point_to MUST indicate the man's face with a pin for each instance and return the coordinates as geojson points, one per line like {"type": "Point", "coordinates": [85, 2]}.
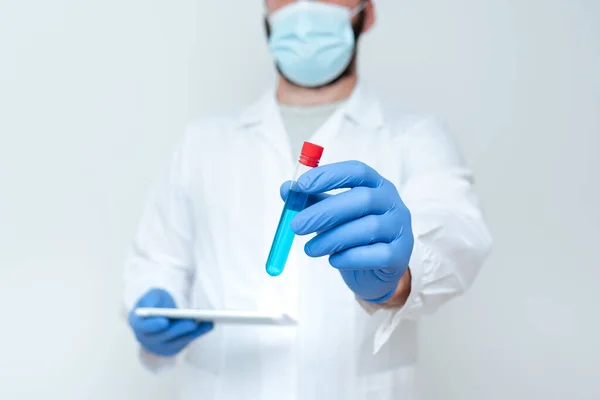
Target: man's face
{"type": "Point", "coordinates": [361, 23]}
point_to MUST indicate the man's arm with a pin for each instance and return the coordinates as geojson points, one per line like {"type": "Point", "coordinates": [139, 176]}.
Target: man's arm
{"type": "Point", "coordinates": [407, 249]}
{"type": "Point", "coordinates": [451, 236]}
{"type": "Point", "coordinates": [160, 256]}
{"type": "Point", "coordinates": [161, 253]}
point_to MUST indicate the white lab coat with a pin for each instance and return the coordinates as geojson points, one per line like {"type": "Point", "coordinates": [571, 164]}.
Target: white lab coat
{"type": "Point", "coordinates": [207, 230]}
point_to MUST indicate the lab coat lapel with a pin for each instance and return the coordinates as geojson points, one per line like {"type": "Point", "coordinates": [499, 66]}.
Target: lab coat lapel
{"type": "Point", "coordinates": [265, 117]}
{"type": "Point", "coordinates": [361, 114]}
{"type": "Point", "coordinates": [363, 108]}
{"type": "Point", "coordinates": [362, 111]}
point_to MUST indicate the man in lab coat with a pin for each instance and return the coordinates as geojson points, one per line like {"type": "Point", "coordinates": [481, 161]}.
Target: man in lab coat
{"type": "Point", "coordinates": [402, 235]}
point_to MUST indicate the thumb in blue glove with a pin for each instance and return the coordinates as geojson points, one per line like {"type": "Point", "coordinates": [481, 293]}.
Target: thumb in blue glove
{"type": "Point", "coordinates": [162, 336]}
{"type": "Point", "coordinates": [366, 231]}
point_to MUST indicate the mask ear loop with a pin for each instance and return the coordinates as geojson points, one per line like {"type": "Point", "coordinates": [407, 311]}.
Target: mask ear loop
{"type": "Point", "coordinates": [359, 8]}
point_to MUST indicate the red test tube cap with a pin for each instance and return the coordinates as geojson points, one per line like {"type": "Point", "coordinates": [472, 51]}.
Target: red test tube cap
{"type": "Point", "coordinates": [311, 154]}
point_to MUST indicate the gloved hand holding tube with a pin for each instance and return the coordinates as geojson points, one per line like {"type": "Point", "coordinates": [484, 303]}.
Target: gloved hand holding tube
{"type": "Point", "coordinates": [162, 336]}
{"type": "Point", "coordinates": [365, 231]}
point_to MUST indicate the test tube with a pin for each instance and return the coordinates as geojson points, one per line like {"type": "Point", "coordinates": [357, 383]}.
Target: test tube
{"type": "Point", "coordinates": [296, 201]}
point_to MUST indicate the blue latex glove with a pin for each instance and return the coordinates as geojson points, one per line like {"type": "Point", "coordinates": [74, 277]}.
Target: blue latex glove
{"type": "Point", "coordinates": [366, 231]}
{"type": "Point", "coordinates": [160, 335]}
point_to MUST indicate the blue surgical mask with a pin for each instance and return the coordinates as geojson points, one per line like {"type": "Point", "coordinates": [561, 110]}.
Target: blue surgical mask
{"type": "Point", "coordinates": [312, 42]}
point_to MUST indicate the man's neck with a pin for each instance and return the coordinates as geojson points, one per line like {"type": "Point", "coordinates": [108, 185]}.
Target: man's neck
{"type": "Point", "coordinates": [293, 95]}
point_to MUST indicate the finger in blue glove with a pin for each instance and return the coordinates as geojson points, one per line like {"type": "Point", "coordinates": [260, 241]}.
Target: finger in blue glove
{"type": "Point", "coordinates": [160, 335]}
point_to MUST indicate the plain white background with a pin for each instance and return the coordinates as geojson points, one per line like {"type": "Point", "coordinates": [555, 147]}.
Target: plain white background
{"type": "Point", "coordinates": [94, 93]}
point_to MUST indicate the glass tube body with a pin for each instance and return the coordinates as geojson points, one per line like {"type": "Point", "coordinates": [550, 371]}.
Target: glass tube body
{"type": "Point", "coordinates": [284, 236]}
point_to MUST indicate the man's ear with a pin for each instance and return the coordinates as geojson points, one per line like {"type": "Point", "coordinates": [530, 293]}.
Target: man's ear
{"type": "Point", "coordinates": [369, 16]}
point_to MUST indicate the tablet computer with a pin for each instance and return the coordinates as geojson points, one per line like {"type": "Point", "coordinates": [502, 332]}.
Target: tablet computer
{"type": "Point", "coordinates": [219, 316]}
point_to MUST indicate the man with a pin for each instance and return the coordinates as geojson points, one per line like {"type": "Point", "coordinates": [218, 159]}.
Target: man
{"type": "Point", "coordinates": [402, 236]}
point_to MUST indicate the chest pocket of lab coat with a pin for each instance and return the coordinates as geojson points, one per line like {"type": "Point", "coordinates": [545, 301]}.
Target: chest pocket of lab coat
{"type": "Point", "coordinates": [376, 147]}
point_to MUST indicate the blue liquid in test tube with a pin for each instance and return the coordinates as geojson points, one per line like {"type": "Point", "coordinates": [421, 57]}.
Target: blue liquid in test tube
{"type": "Point", "coordinates": [284, 237]}
{"type": "Point", "coordinates": [295, 202]}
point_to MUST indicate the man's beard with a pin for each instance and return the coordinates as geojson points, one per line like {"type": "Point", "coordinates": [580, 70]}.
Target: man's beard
{"type": "Point", "coordinates": [357, 27]}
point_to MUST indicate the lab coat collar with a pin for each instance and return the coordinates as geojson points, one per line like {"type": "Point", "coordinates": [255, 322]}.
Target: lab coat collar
{"type": "Point", "coordinates": [362, 108]}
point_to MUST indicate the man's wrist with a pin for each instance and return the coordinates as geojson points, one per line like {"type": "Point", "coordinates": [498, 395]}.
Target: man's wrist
{"type": "Point", "coordinates": [401, 293]}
